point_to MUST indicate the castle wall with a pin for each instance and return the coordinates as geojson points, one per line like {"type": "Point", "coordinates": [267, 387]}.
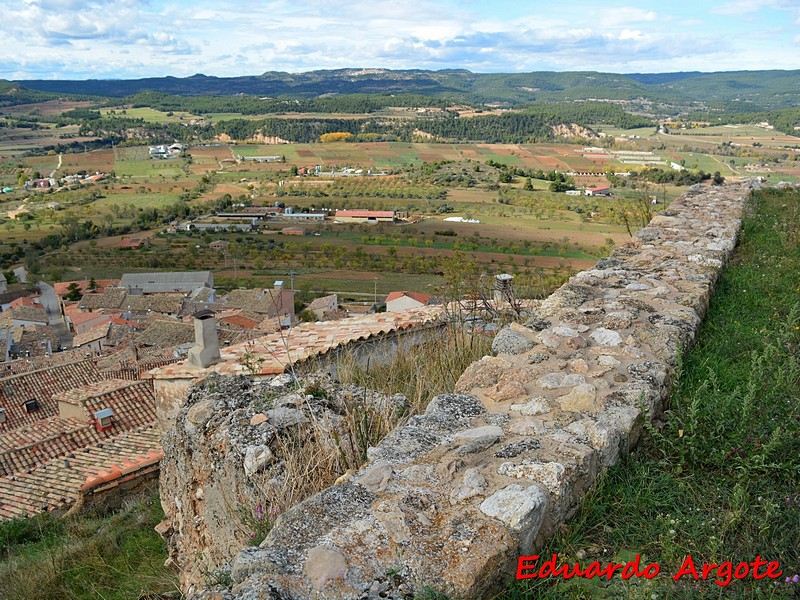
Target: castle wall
{"type": "Point", "coordinates": [454, 497]}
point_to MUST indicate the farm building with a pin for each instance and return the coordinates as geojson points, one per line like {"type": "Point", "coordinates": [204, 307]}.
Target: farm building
{"type": "Point", "coordinates": [252, 212]}
{"type": "Point", "coordinates": [601, 190]}
{"type": "Point", "coordinates": [130, 244]}
{"type": "Point", "coordinates": [290, 215]}
{"type": "Point", "coordinates": [219, 245]}
{"type": "Point", "coordinates": [194, 226]}
{"type": "Point", "coordinates": [293, 231]}
{"type": "Point", "coordinates": [365, 216]}
{"type": "Point", "coordinates": [262, 159]}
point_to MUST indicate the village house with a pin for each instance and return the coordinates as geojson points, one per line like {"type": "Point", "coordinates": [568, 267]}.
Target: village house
{"type": "Point", "coordinates": [86, 439]}
{"type": "Point", "coordinates": [323, 306]}
{"type": "Point", "coordinates": [23, 316]}
{"type": "Point", "coordinates": [28, 397]}
{"type": "Point", "coordinates": [93, 340]}
{"type": "Point", "coordinates": [81, 322]}
{"type": "Point", "coordinates": [275, 302]}
{"type": "Point", "coordinates": [400, 301]}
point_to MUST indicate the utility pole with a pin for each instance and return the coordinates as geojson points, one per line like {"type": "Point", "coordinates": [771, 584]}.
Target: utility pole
{"type": "Point", "coordinates": [291, 280]}
{"type": "Point", "coordinates": [375, 289]}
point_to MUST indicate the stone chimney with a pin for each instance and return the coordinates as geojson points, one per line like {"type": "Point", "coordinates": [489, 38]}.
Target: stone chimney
{"type": "Point", "coordinates": [205, 351]}
{"type": "Point", "coordinates": [502, 287]}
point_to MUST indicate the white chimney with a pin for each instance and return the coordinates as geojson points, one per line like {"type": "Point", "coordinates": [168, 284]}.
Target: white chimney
{"type": "Point", "coordinates": [502, 287]}
{"type": "Point", "coordinates": [205, 352]}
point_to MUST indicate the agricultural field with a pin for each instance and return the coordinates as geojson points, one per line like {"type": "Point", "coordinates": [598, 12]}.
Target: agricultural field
{"type": "Point", "coordinates": [391, 155]}
{"type": "Point", "coordinates": [15, 142]}
{"type": "Point", "coordinates": [522, 225]}
{"type": "Point", "coordinates": [149, 115]}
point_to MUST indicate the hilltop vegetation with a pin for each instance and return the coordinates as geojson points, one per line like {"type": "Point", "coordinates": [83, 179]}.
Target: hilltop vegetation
{"type": "Point", "coordinates": [737, 91]}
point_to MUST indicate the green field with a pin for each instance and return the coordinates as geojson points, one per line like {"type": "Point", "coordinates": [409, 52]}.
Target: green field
{"type": "Point", "coordinates": [518, 229]}
{"type": "Point", "coordinates": [149, 114]}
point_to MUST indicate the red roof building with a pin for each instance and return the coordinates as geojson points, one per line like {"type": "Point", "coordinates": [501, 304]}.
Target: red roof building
{"type": "Point", "coordinates": [399, 301]}
{"type": "Point", "coordinates": [365, 215]}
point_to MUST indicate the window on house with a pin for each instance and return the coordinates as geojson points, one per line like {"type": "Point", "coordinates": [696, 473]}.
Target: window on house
{"type": "Point", "coordinates": [31, 405]}
{"type": "Point", "coordinates": [8, 391]}
{"type": "Point", "coordinates": [104, 419]}
{"type": "Point", "coordinates": [2, 415]}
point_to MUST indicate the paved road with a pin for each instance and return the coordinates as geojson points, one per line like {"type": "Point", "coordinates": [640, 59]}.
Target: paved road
{"type": "Point", "coordinates": [52, 307]}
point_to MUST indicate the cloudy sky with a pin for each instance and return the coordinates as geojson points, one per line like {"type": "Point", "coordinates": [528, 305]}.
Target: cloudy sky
{"type": "Point", "coordinates": [102, 39]}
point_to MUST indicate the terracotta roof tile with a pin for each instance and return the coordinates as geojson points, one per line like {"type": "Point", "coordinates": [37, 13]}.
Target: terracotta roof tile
{"type": "Point", "coordinates": [40, 385]}
{"type": "Point", "coordinates": [35, 363]}
{"type": "Point", "coordinates": [133, 402]}
{"type": "Point", "coordinates": [28, 313]}
{"type": "Point", "coordinates": [168, 304]}
{"type": "Point", "coordinates": [54, 485]}
{"type": "Point", "coordinates": [418, 296]}
{"type": "Point", "coordinates": [274, 352]}
{"type": "Point", "coordinates": [98, 332]}
{"type": "Point", "coordinates": [323, 302]}
{"type": "Point", "coordinates": [31, 445]}
{"type": "Point", "coordinates": [110, 298]}
{"type": "Point", "coordinates": [62, 287]}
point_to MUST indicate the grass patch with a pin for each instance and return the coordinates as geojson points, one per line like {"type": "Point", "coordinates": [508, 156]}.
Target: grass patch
{"type": "Point", "coordinates": [721, 479]}
{"type": "Point", "coordinates": [89, 556]}
{"type": "Point", "coordinates": [423, 372]}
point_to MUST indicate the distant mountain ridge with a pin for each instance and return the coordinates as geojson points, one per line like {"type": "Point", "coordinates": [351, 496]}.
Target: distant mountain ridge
{"type": "Point", "coordinates": [734, 90]}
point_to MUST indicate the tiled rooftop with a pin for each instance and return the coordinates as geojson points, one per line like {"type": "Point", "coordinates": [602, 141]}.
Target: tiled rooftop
{"type": "Point", "coordinates": [192, 306]}
{"type": "Point", "coordinates": [31, 445]}
{"type": "Point", "coordinates": [324, 302]}
{"type": "Point", "coordinates": [240, 318]}
{"type": "Point", "coordinates": [40, 385]}
{"type": "Point", "coordinates": [110, 298]}
{"type": "Point", "coordinates": [26, 365]}
{"type": "Point", "coordinates": [169, 304]}
{"type": "Point", "coordinates": [26, 313]}
{"type": "Point", "coordinates": [133, 402]}
{"type": "Point", "coordinates": [79, 317]}
{"type": "Point", "coordinates": [166, 334]}
{"type": "Point", "coordinates": [62, 287]}
{"type": "Point", "coordinates": [265, 301]}
{"type": "Point", "coordinates": [36, 340]}
{"type": "Point", "coordinates": [56, 485]}
{"type": "Point", "coordinates": [418, 296]}
{"type": "Point", "coordinates": [98, 332]}
{"type": "Point", "coordinates": [274, 352]}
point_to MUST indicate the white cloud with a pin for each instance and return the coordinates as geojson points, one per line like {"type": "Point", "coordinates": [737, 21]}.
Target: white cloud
{"type": "Point", "coordinates": [745, 7]}
{"type": "Point", "coordinates": [232, 37]}
{"type": "Point", "coordinates": [615, 17]}
{"type": "Point", "coordinates": [629, 34]}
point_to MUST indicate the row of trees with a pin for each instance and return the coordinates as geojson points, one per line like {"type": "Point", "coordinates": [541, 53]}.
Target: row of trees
{"type": "Point", "coordinates": [530, 125]}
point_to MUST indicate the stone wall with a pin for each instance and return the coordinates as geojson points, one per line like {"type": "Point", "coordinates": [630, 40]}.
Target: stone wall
{"type": "Point", "coordinates": [451, 499]}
